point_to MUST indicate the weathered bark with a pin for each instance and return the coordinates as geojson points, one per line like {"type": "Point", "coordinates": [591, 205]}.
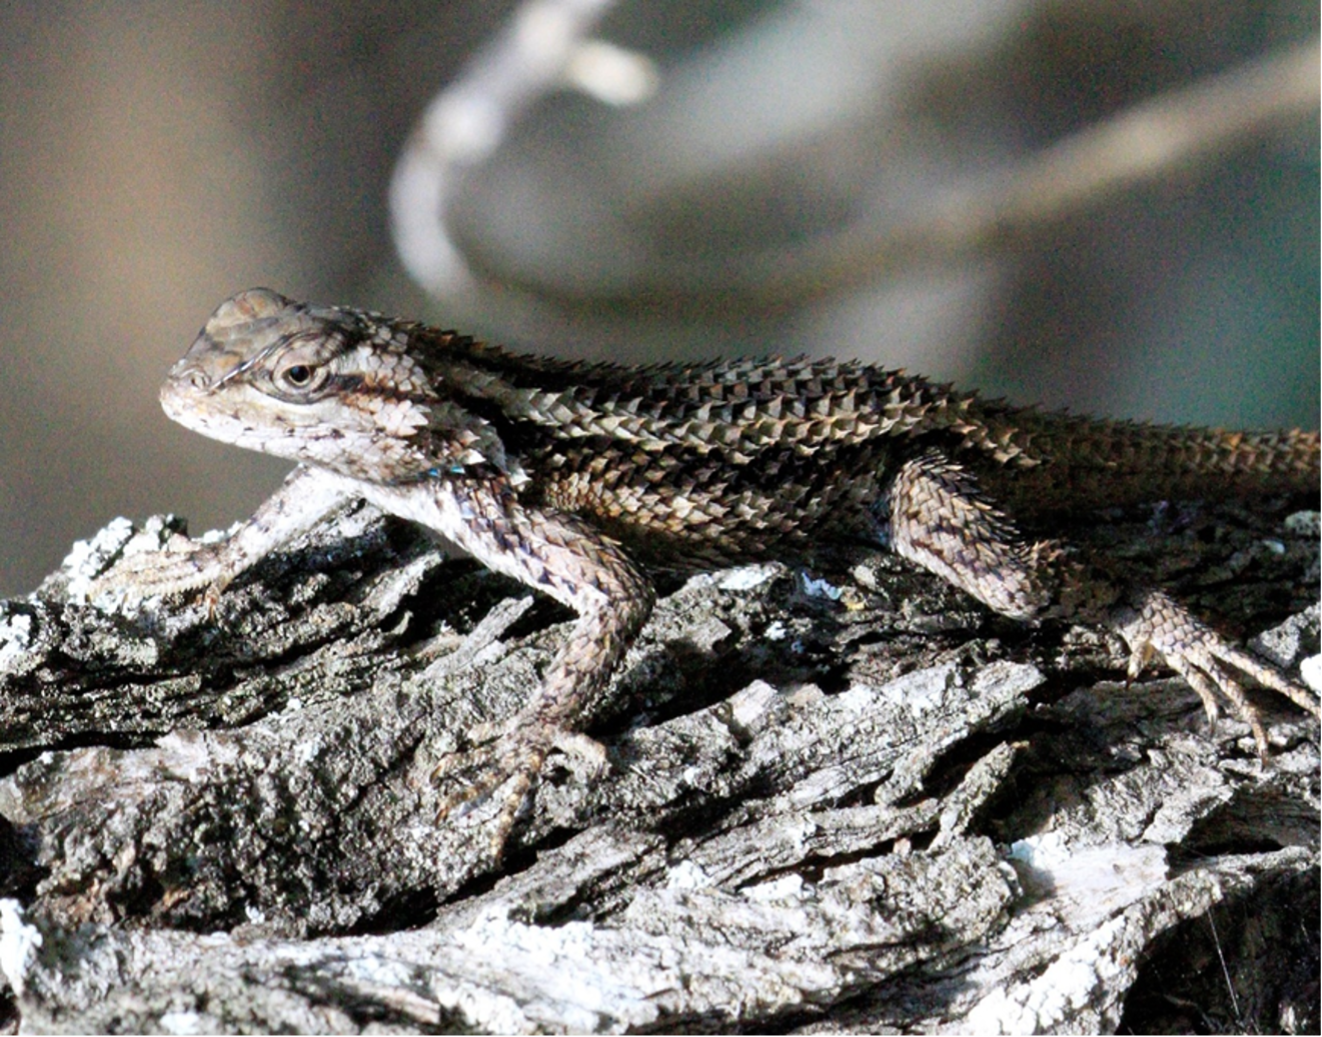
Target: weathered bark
{"type": "Point", "coordinates": [898, 814]}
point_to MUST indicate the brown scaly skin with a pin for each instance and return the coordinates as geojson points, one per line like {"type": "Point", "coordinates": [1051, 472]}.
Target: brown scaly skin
{"type": "Point", "coordinates": [578, 478]}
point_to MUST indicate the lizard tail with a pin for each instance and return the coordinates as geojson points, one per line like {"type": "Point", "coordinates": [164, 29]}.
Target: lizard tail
{"type": "Point", "coordinates": [1066, 461]}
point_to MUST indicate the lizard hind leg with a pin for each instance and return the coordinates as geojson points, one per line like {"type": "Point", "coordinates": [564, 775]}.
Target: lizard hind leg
{"type": "Point", "coordinates": [936, 516]}
{"type": "Point", "coordinates": [1156, 624]}
{"type": "Point", "coordinates": [939, 518]}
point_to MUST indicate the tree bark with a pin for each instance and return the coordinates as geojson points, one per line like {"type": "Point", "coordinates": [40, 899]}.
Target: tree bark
{"type": "Point", "coordinates": [858, 801]}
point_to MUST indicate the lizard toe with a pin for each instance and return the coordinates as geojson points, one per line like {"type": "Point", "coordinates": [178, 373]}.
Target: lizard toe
{"type": "Point", "coordinates": [509, 767]}
{"type": "Point", "coordinates": [1158, 625]}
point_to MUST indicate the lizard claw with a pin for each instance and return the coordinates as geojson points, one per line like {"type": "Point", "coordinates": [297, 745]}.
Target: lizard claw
{"type": "Point", "coordinates": [1158, 625]}
{"type": "Point", "coordinates": [510, 762]}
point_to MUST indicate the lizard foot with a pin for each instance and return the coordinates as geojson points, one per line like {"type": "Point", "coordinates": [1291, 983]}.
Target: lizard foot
{"type": "Point", "coordinates": [1158, 625]}
{"type": "Point", "coordinates": [179, 567]}
{"type": "Point", "coordinates": [508, 759]}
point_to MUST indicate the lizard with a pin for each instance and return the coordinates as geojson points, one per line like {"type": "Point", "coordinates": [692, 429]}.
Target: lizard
{"type": "Point", "coordinates": [582, 480]}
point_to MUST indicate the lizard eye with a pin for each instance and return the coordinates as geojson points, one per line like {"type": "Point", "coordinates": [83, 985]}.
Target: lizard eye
{"type": "Point", "coordinates": [300, 378]}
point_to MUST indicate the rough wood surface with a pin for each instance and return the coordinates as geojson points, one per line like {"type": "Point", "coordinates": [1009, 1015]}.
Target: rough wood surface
{"type": "Point", "coordinates": [892, 811]}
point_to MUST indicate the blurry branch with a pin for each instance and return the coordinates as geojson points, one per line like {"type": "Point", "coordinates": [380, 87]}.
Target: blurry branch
{"type": "Point", "coordinates": [1151, 141]}
{"type": "Point", "coordinates": [544, 46]}
{"type": "Point", "coordinates": [1146, 143]}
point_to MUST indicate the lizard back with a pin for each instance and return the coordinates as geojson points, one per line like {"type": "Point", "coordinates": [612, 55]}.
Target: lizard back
{"type": "Point", "coordinates": [721, 461]}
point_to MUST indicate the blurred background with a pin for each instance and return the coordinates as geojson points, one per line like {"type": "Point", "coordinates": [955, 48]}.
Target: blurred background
{"type": "Point", "coordinates": [1110, 206]}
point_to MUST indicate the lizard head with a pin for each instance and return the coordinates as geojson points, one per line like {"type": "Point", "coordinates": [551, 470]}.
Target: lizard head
{"type": "Point", "coordinates": [336, 388]}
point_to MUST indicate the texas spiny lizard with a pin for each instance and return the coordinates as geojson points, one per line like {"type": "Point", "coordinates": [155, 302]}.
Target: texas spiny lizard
{"type": "Point", "coordinates": [581, 479]}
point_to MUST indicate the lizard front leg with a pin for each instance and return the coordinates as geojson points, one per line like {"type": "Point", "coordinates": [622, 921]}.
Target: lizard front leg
{"type": "Point", "coordinates": [305, 498]}
{"type": "Point", "coordinates": [934, 514]}
{"type": "Point", "coordinates": [570, 561]}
